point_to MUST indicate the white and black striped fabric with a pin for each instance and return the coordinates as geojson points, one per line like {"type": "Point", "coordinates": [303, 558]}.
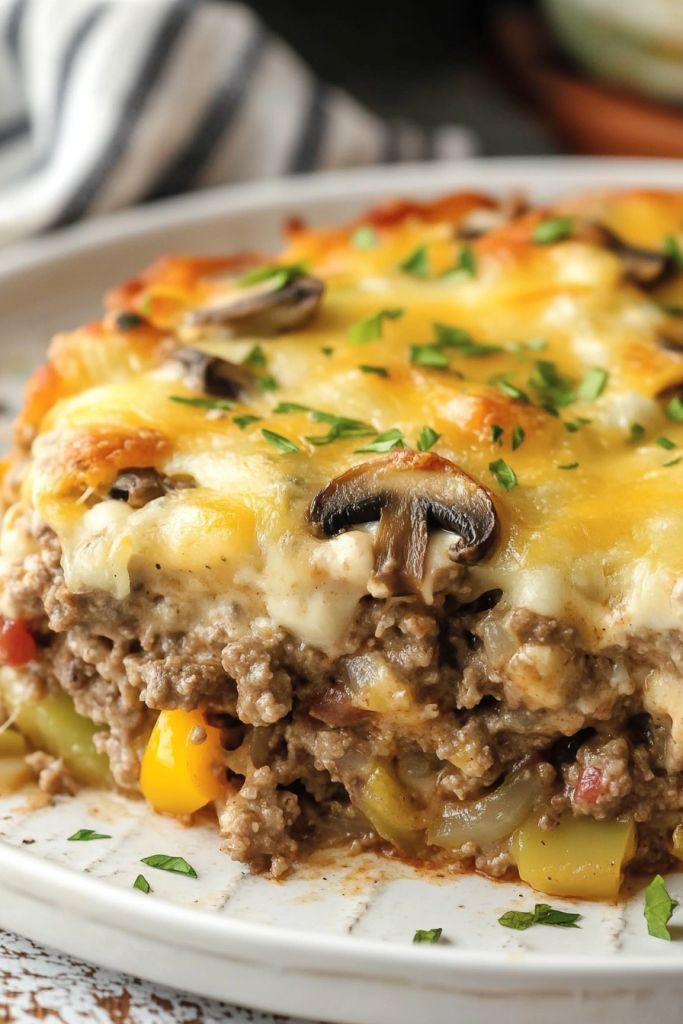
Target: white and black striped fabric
{"type": "Point", "coordinates": [107, 103]}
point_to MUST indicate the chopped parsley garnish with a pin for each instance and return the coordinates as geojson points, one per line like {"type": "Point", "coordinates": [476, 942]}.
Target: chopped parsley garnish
{"type": "Point", "coordinates": [504, 474]}
{"type": "Point", "coordinates": [496, 432]}
{"type": "Point", "coordinates": [385, 442]}
{"type": "Point", "coordinates": [428, 355]}
{"type": "Point", "coordinates": [592, 384]}
{"type": "Point", "coordinates": [427, 439]}
{"type": "Point", "coordinates": [465, 266]}
{"type": "Point", "coordinates": [326, 350]}
{"type": "Point", "coordinates": [552, 387]}
{"type": "Point", "coordinates": [203, 403]}
{"type": "Point", "coordinates": [85, 835]}
{"type": "Point", "coordinates": [255, 358]}
{"type": "Point", "coordinates": [267, 383]}
{"type": "Point", "coordinates": [370, 329]}
{"type": "Point", "coordinates": [142, 884]}
{"type": "Point", "coordinates": [673, 462]}
{"type": "Point", "coordinates": [245, 420]}
{"type": "Point", "coordinates": [518, 436]}
{"type": "Point", "coordinates": [283, 444]}
{"type": "Point", "coordinates": [511, 390]}
{"type": "Point", "coordinates": [674, 409]}
{"type": "Point", "coordinates": [672, 249]}
{"type": "Point", "coordinates": [573, 425]}
{"type": "Point", "coordinates": [673, 310]}
{"type": "Point", "coordinates": [164, 862]}
{"type": "Point", "coordinates": [427, 935]}
{"type": "Point", "coordinates": [379, 371]}
{"type": "Point", "coordinates": [635, 433]}
{"type": "Point", "coordinates": [569, 465]}
{"type": "Point", "coordinates": [542, 913]}
{"type": "Point", "coordinates": [128, 321]}
{"type": "Point", "coordinates": [416, 263]}
{"type": "Point", "coordinates": [340, 426]}
{"type": "Point", "coordinates": [456, 337]}
{"type": "Point", "coordinates": [364, 237]}
{"type": "Point", "coordinates": [278, 274]}
{"type": "Point", "coordinates": [659, 906]}
{"type": "Point", "coordinates": [556, 229]}
{"type": "Point", "coordinates": [665, 442]}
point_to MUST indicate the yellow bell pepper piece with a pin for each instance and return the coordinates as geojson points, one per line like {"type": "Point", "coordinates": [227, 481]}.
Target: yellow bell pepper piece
{"type": "Point", "coordinates": [390, 810]}
{"type": "Point", "coordinates": [582, 857]}
{"type": "Point", "coordinates": [178, 776]}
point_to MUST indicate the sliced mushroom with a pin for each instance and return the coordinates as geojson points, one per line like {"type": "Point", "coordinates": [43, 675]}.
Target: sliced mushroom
{"type": "Point", "coordinates": [212, 375]}
{"type": "Point", "coordinates": [644, 267]}
{"type": "Point", "coordinates": [137, 487]}
{"type": "Point", "coordinates": [409, 493]}
{"type": "Point", "coordinates": [670, 335]}
{"type": "Point", "coordinates": [269, 307]}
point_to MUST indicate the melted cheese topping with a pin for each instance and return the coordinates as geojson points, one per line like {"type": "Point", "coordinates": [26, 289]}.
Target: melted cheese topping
{"type": "Point", "coordinates": [593, 530]}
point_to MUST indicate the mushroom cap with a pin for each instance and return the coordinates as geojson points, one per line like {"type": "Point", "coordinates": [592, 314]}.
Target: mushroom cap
{"type": "Point", "coordinates": [268, 307]}
{"type": "Point", "coordinates": [211, 375]}
{"type": "Point", "coordinates": [409, 493]}
{"type": "Point", "coordinates": [645, 267]}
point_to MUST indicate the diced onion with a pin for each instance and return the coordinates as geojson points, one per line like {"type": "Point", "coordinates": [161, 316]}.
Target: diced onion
{"type": "Point", "coordinates": [490, 818]}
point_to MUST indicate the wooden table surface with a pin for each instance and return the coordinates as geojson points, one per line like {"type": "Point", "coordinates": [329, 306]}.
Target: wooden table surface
{"type": "Point", "coordinates": [38, 984]}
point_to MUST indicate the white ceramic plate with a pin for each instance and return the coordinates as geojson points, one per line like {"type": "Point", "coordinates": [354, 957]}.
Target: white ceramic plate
{"type": "Point", "coordinates": [334, 942]}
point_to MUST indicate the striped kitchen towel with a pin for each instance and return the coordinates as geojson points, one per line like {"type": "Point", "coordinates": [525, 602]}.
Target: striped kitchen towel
{"type": "Point", "coordinates": [106, 103]}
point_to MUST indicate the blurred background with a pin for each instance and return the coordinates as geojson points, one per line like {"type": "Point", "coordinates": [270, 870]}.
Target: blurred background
{"type": "Point", "coordinates": [534, 77]}
{"type": "Point", "coordinates": [105, 104]}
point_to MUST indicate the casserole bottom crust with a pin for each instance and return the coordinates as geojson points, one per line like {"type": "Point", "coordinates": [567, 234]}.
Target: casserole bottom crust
{"type": "Point", "coordinates": [311, 761]}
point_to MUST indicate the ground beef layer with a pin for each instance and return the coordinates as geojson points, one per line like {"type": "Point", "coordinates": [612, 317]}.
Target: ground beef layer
{"type": "Point", "coordinates": [300, 742]}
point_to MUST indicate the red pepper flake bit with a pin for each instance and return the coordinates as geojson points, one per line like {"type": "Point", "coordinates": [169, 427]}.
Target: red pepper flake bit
{"type": "Point", "coordinates": [17, 646]}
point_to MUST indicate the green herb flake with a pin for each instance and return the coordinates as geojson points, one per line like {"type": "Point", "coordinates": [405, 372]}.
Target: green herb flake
{"type": "Point", "coordinates": [504, 474]}
{"type": "Point", "coordinates": [672, 250]}
{"type": "Point", "coordinates": [85, 835]}
{"type": "Point", "coordinates": [326, 350]}
{"type": "Point", "coordinates": [278, 274]}
{"type": "Point", "coordinates": [552, 387]}
{"type": "Point", "coordinates": [573, 425]}
{"type": "Point", "coordinates": [592, 384]}
{"type": "Point", "coordinates": [255, 358]}
{"type": "Point", "coordinates": [636, 432]}
{"type": "Point", "coordinates": [246, 420]}
{"type": "Point", "coordinates": [673, 310]}
{"type": "Point", "coordinates": [658, 908]}
{"type": "Point", "coordinates": [164, 862]}
{"type": "Point", "coordinates": [267, 383]}
{"type": "Point", "coordinates": [283, 444]}
{"type": "Point", "coordinates": [496, 432]}
{"type": "Point", "coordinates": [385, 442]}
{"type": "Point", "coordinates": [203, 403]}
{"type": "Point", "coordinates": [416, 263]}
{"type": "Point", "coordinates": [465, 266]}
{"type": "Point", "coordinates": [142, 884]}
{"type": "Point", "coordinates": [128, 321]}
{"type": "Point", "coordinates": [673, 462]}
{"type": "Point", "coordinates": [428, 355]}
{"type": "Point", "coordinates": [511, 390]}
{"type": "Point", "coordinates": [556, 229]}
{"type": "Point", "coordinates": [448, 336]}
{"type": "Point", "coordinates": [542, 913]}
{"type": "Point", "coordinates": [518, 436]}
{"type": "Point", "coordinates": [364, 237]}
{"type": "Point", "coordinates": [674, 409]}
{"type": "Point", "coordinates": [379, 371]}
{"type": "Point", "coordinates": [427, 439]}
{"type": "Point", "coordinates": [370, 329]}
{"type": "Point", "coordinates": [427, 935]}
{"type": "Point", "coordinates": [569, 465]}
{"type": "Point", "coordinates": [666, 443]}
{"type": "Point", "coordinates": [285, 407]}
